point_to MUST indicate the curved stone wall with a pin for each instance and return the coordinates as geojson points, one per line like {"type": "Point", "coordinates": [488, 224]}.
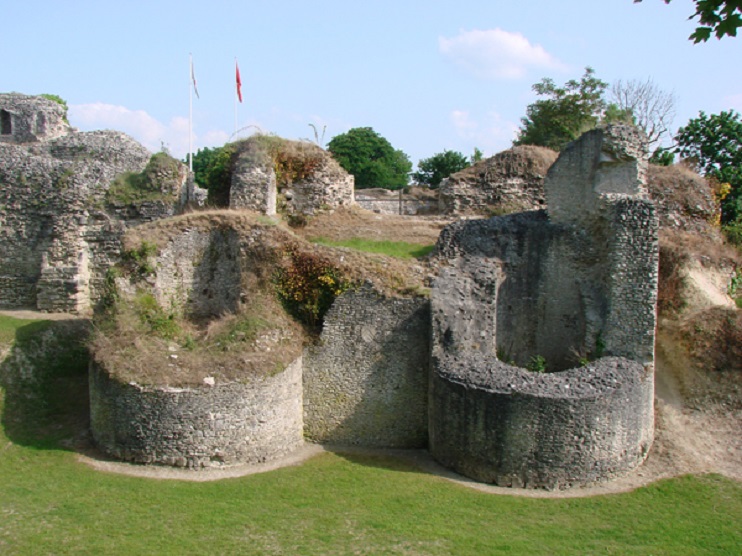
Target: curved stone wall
{"type": "Point", "coordinates": [506, 425]}
{"type": "Point", "coordinates": [253, 421]}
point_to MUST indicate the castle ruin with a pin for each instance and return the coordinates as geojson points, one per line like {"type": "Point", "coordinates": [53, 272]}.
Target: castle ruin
{"type": "Point", "coordinates": [570, 290]}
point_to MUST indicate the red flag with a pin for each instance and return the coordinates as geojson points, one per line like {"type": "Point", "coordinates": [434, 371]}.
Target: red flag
{"type": "Point", "coordinates": [239, 81]}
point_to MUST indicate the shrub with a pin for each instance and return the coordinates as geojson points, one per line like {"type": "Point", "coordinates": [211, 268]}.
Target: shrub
{"type": "Point", "coordinates": [308, 285]}
{"type": "Point", "coordinates": [537, 364]}
{"type": "Point", "coordinates": [155, 318]}
{"type": "Point", "coordinates": [154, 183]}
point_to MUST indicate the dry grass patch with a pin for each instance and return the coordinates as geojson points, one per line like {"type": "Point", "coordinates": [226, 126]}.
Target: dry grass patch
{"type": "Point", "coordinates": [283, 276]}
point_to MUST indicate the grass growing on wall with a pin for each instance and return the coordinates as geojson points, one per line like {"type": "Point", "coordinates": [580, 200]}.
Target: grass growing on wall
{"type": "Point", "coordinates": [333, 504]}
{"type": "Point", "coordinates": [398, 249]}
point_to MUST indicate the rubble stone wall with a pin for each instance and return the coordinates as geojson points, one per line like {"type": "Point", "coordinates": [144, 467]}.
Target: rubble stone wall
{"type": "Point", "coordinates": [365, 383]}
{"type": "Point", "coordinates": [533, 289]}
{"type": "Point", "coordinates": [256, 420]}
{"type": "Point", "coordinates": [505, 425]}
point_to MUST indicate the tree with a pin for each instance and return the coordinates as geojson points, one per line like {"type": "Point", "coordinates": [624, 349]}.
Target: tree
{"type": "Point", "coordinates": [371, 159]}
{"type": "Point", "coordinates": [722, 17]}
{"type": "Point", "coordinates": [650, 108]}
{"type": "Point", "coordinates": [212, 169]}
{"type": "Point", "coordinates": [565, 113]}
{"type": "Point", "coordinates": [714, 144]}
{"type": "Point", "coordinates": [431, 171]}
{"type": "Point", "coordinates": [476, 157]}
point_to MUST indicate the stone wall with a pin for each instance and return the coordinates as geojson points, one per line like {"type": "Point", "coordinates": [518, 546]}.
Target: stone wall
{"type": "Point", "coordinates": [59, 233]}
{"type": "Point", "coordinates": [200, 272]}
{"type": "Point", "coordinates": [27, 119]}
{"type": "Point", "coordinates": [256, 420]}
{"type": "Point", "coordinates": [320, 182]}
{"type": "Point", "coordinates": [524, 289]}
{"type": "Point", "coordinates": [365, 383]}
{"type": "Point", "coordinates": [505, 425]}
{"type": "Point", "coordinates": [385, 201]}
{"type": "Point", "coordinates": [253, 185]}
{"type": "Point", "coordinates": [511, 181]}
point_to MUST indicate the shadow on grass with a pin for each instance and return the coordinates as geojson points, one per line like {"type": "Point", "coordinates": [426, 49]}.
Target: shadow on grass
{"type": "Point", "coordinates": [44, 376]}
{"type": "Point", "coordinates": [413, 460]}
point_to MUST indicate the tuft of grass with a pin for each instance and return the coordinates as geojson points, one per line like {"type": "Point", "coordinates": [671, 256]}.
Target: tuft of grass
{"type": "Point", "coordinates": [397, 249]}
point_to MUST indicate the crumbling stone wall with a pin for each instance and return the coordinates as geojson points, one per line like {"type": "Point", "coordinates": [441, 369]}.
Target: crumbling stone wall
{"type": "Point", "coordinates": [365, 382]}
{"type": "Point", "coordinates": [505, 425]}
{"type": "Point", "coordinates": [255, 186]}
{"type": "Point", "coordinates": [511, 181]}
{"type": "Point", "coordinates": [59, 235]}
{"type": "Point", "coordinates": [200, 271]}
{"type": "Point", "coordinates": [255, 420]}
{"type": "Point", "coordinates": [28, 119]}
{"type": "Point", "coordinates": [577, 284]}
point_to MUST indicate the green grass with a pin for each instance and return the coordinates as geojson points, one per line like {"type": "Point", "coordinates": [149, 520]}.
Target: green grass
{"type": "Point", "coordinates": [398, 249]}
{"type": "Point", "coordinates": [333, 504]}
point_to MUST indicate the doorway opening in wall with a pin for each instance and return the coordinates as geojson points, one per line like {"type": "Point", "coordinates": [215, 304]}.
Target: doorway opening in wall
{"type": "Point", "coordinates": [6, 123]}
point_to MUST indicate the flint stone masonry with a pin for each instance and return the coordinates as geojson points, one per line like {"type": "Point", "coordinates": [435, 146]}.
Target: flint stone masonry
{"type": "Point", "coordinates": [57, 236]}
{"type": "Point", "coordinates": [511, 181]}
{"type": "Point", "coordinates": [505, 425]}
{"type": "Point", "coordinates": [257, 420]}
{"type": "Point", "coordinates": [254, 184]}
{"type": "Point", "coordinates": [27, 119]}
{"type": "Point", "coordinates": [365, 383]}
{"type": "Point", "coordinates": [200, 271]}
{"type": "Point", "coordinates": [580, 283]}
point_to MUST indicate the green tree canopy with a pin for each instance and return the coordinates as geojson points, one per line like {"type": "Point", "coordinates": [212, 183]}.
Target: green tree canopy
{"type": "Point", "coordinates": [714, 144]}
{"type": "Point", "coordinates": [721, 17]}
{"type": "Point", "coordinates": [564, 113]}
{"type": "Point", "coordinates": [212, 169]}
{"type": "Point", "coordinates": [371, 159]}
{"type": "Point", "coordinates": [431, 171]}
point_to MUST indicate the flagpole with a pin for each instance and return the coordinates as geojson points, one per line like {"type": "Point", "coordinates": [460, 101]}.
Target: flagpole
{"type": "Point", "coordinates": [190, 112]}
{"type": "Point", "coordinates": [235, 99]}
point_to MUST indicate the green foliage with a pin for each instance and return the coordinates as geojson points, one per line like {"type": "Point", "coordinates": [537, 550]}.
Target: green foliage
{"type": "Point", "coordinates": [154, 183]}
{"type": "Point", "coordinates": [476, 157]}
{"type": "Point", "coordinates": [59, 100]}
{"type": "Point", "coordinates": [308, 285]}
{"type": "Point", "coordinates": [720, 17]}
{"type": "Point", "coordinates": [212, 169]}
{"type": "Point", "coordinates": [564, 113]}
{"type": "Point", "coordinates": [714, 144]}
{"type": "Point", "coordinates": [537, 364]}
{"type": "Point", "coordinates": [292, 160]}
{"type": "Point", "coordinates": [397, 249]}
{"type": "Point", "coordinates": [155, 318]}
{"type": "Point", "coordinates": [139, 260]}
{"type": "Point", "coordinates": [432, 171]}
{"type": "Point", "coordinates": [662, 157]}
{"type": "Point", "coordinates": [371, 159]}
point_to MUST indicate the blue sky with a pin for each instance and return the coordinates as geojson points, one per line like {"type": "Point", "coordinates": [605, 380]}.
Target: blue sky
{"type": "Point", "coordinates": [427, 75]}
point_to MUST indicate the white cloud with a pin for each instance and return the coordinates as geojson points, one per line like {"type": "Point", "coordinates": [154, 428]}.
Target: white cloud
{"type": "Point", "coordinates": [146, 129]}
{"type": "Point", "coordinates": [490, 133]}
{"type": "Point", "coordinates": [496, 54]}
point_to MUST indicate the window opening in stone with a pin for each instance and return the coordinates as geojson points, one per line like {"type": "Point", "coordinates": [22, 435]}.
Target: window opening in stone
{"type": "Point", "coordinates": [6, 123]}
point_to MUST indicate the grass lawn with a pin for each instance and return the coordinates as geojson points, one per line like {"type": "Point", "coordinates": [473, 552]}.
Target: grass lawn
{"type": "Point", "coordinates": [398, 249]}
{"type": "Point", "coordinates": [332, 504]}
